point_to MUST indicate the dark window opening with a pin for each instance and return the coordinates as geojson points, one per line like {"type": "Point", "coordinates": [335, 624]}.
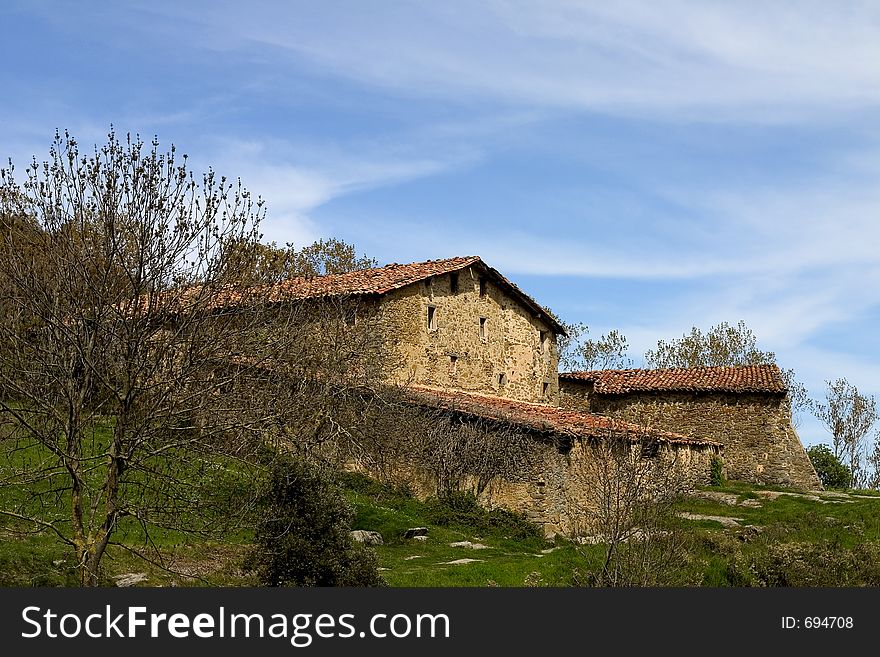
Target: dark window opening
{"type": "Point", "coordinates": [453, 364]}
{"type": "Point", "coordinates": [546, 389]}
{"type": "Point", "coordinates": [542, 338]}
{"type": "Point", "coordinates": [482, 286]}
{"type": "Point", "coordinates": [502, 379]}
{"type": "Point", "coordinates": [453, 282]}
{"type": "Point", "coordinates": [482, 328]}
{"type": "Point", "coordinates": [432, 318]}
{"type": "Point", "coordinates": [650, 449]}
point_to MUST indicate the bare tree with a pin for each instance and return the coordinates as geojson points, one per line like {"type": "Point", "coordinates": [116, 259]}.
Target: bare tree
{"type": "Point", "coordinates": [635, 481]}
{"type": "Point", "coordinates": [874, 463]}
{"type": "Point", "coordinates": [138, 367]}
{"type": "Point", "coordinates": [412, 435]}
{"type": "Point", "coordinates": [466, 453]}
{"type": "Point", "coordinates": [849, 416]}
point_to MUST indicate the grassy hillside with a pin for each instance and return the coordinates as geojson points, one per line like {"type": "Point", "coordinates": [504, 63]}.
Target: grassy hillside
{"type": "Point", "coordinates": [735, 535]}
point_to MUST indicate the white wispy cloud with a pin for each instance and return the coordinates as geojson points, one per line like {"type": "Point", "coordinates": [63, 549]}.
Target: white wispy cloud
{"type": "Point", "coordinates": [294, 182]}
{"type": "Point", "coordinates": [714, 60]}
{"type": "Point", "coordinates": [792, 254]}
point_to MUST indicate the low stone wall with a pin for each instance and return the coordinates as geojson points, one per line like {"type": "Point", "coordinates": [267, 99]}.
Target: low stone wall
{"type": "Point", "coordinates": [563, 495]}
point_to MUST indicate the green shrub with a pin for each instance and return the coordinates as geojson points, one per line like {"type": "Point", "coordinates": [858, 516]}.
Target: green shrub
{"type": "Point", "coordinates": [378, 491]}
{"type": "Point", "coordinates": [716, 471]}
{"type": "Point", "coordinates": [455, 509]}
{"type": "Point", "coordinates": [822, 564]}
{"type": "Point", "coordinates": [462, 509]}
{"type": "Point", "coordinates": [832, 473]}
{"type": "Point", "coordinates": [303, 537]}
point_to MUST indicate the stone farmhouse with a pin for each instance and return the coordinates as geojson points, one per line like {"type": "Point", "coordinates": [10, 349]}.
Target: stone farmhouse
{"type": "Point", "coordinates": [457, 324]}
{"type": "Point", "coordinates": [470, 341]}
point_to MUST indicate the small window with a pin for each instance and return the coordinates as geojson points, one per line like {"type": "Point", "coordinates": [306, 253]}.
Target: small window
{"type": "Point", "coordinates": [542, 339]}
{"type": "Point", "coordinates": [350, 316]}
{"type": "Point", "coordinates": [453, 283]}
{"type": "Point", "coordinates": [545, 389]}
{"type": "Point", "coordinates": [482, 286]}
{"type": "Point", "coordinates": [482, 328]}
{"type": "Point", "coordinates": [650, 448]}
{"type": "Point", "coordinates": [432, 318]}
{"type": "Point", "coordinates": [502, 379]}
{"type": "Point", "coordinates": [453, 364]}
{"type": "Point", "coordinates": [429, 285]}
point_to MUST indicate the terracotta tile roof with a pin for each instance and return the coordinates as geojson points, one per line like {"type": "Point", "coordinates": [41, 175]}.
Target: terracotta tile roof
{"type": "Point", "coordinates": [379, 280]}
{"type": "Point", "coordinates": [371, 281]}
{"type": "Point", "coordinates": [544, 418]}
{"type": "Point", "coordinates": [382, 280]}
{"type": "Point", "coordinates": [743, 378]}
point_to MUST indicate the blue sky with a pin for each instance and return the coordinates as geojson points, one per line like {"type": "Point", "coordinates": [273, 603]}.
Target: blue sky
{"type": "Point", "coordinates": [645, 166]}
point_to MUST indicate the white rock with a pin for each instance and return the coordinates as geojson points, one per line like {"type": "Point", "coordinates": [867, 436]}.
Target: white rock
{"type": "Point", "coordinates": [130, 579]}
{"type": "Point", "coordinates": [367, 537]}
{"type": "Point", "coordinates": [724, 520]}
{"type": "Point", "coordinates": [469, 545]}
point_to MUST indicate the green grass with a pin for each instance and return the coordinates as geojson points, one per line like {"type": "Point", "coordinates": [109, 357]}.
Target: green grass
{"type": "Point", "coordinates": [850, 520]}
{"type": "Point", "coordinates": [786, 540]}
{"type": "Point", "coordinates": [29, 557]}
{"type": "Point", "coordinates": [510, 559]}
{"type": "Point", "coordinates": [717, 555]}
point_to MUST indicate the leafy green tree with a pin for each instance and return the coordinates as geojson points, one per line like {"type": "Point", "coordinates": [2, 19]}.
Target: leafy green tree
{"type": "Point", "coordinates": [723, 345]}
{"type": "Point", "coordinates": [720, 345]}
{"type": "Point", "coordinates": [579, 352]}
{"type": "Point", "coordinates": [256, 262]}
{"type": "Point", "coordinates": [832, 473]}
{"type": "Point", "coordinates": [849, 417]}
{"type": "Point", "coordinates": [303, 537]}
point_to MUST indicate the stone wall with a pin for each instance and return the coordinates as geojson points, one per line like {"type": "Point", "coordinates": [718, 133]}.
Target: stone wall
{"type": "Point", "coordinates": [557, 489]}
{"type": "Point", "coordinates": [562, 495]}
{"type": "Point", "coordinates": [760, 443]}
{"type": "Point", "coordinates": [488, 343]}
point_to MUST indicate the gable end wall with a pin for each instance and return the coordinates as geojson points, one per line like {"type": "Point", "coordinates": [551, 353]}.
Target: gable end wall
{"type": "Point", "coordinates": [511, 345]}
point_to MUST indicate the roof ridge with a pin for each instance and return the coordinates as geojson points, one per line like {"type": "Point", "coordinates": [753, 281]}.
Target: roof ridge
{"type": "Point", "coordinates": [393, 276]}
{"type": "Point", "coordinates": [759, 377]}
{"type": "Point", "coordinates": [672, 369]}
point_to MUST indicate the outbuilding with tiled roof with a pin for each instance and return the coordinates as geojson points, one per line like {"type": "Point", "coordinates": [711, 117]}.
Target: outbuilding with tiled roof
{"type": "Point", "coordinates": [746, 408]}
{"type": "Point", "coordinates": [573, 456]}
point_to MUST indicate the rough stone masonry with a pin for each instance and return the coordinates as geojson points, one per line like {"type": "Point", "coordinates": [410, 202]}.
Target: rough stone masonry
{"type": "Point", "coordinates": [459, 327]}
